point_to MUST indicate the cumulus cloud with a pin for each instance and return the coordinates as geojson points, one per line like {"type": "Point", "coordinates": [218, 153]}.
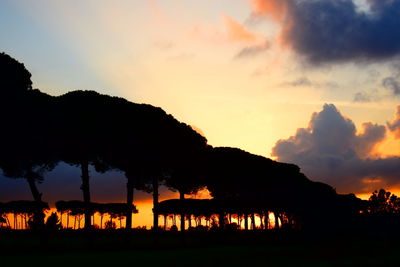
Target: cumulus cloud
{"type": "Point", "coordinates": [394, 126]}
{"type": "Point", "coordinates": [331, 150]}
{"type": "Point", "coordinates": [336, 30]}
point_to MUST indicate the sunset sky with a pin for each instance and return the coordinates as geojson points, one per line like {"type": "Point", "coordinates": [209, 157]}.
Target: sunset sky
{"type": "Point", "coordinates": [315, 83]}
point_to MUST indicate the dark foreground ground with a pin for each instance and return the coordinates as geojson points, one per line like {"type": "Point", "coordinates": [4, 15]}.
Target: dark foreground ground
{"type": "Point", "coordinates": [142, 248]}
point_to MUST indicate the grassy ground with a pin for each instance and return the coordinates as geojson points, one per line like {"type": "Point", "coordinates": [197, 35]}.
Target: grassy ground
{"type": "Point", "coordinates": [204, 249]}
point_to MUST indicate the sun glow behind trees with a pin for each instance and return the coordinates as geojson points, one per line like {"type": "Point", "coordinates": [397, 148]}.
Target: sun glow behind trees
{"type": "Point", "coordinates": [142, 220]}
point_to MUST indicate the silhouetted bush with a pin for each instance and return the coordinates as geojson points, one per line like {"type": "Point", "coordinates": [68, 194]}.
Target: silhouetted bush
{"type": "Point", "coordinates": [53, 222]}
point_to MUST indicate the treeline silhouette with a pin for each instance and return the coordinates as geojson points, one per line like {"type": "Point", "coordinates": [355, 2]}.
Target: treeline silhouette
{"type": "Point", "coordinates": [85, 128]}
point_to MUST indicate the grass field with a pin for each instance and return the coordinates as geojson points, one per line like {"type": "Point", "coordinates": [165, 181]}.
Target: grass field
{"type": "Point", "coordinates": [200, 249]}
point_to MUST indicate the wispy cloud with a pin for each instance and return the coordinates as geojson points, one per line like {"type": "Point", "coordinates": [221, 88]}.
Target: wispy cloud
{"type": "Point", "coordinates": [254, 50]}
{"type": "Point", "coordinates": [236, 31]}
{"type": "Point", "coordinates": [306, 82]}
{"type": "Point", "coordinates": [394, 126]}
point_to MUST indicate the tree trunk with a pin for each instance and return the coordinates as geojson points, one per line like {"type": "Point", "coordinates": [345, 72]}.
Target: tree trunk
{"type": "Point", "coordinates": [276, 220]}
{"type": "Point", "coordinates": [222, 220]}
{"type": "Point", "coordinates": [190, 220]}
{"type": "Point", "coordinates": [38, 216]}
{"type": "Point", "coordinates": [182, 197]}
{"type": "Point", "coordinates": [34, 190]}
{"type": "Point", "coordinates": [281, 218]}
{"type": "Point", "coordinates": [8, 221]}
{"type": "Point", "coordinates": [246, 222]}
{"type": "Point", "coordinates": [266, 220]}
{"type": "Point", "coordinates": [86, 192]}
{"type": "Point", "coordinates": [155, 203]}
{"type": "Point", "coordinates": [129, 202]}
{"type": "Point", "coordinates": [253, 222]}
{"type": "Point", "coordinates": [67, 220]}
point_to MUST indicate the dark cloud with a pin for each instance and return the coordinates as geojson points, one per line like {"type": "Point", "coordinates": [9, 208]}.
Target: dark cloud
{"type": "Point", "coordinates": [328, 31]}
{"type": "Point", "coordinates": [394, 126]}
{"type": "Point", "coordinates": [331, 150]}
{"type": "Point", "coordinates": [251, 51]}
{"type": "Point", "coordinates": [392, 84]}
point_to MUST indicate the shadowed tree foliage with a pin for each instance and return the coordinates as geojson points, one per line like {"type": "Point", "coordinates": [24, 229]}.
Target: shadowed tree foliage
{"type": "Point", "coordinates": [26, 128]}
{"type": "Point", "coordinates": [186, 164]}
{"type": "Point", "coordinates": [15, 79]}
{"type": "Point", "coordinates": [110, 132]}
{"type": "Point", "coordinates": [85, 128]}
{"type": "Point", "coordinates": [268, 186]}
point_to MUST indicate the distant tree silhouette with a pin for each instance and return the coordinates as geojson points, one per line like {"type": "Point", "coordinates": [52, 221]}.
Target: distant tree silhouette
{"type": "Point", "coordinates": [27, 210]}
{"type": "Point", "coordinates": [3, 220]}
{"type": "Point", "coordinates": [383, 201]}
{"type": "Point", "coordinates": [110, 225]}
{"type": "Point", "coordinates": [77, 208]}
{"type": "Point", "coordinates": [32, 176]}
{"type": "Point", "coordinates": [3, 216]}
